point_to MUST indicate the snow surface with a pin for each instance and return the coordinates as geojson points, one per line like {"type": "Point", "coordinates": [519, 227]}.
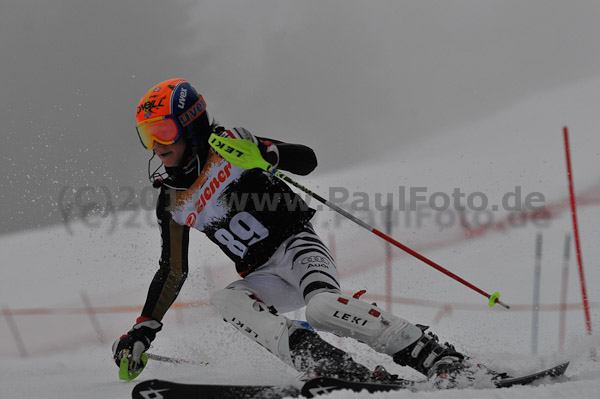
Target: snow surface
{"type": "Point", "coordinates": [113, 261]}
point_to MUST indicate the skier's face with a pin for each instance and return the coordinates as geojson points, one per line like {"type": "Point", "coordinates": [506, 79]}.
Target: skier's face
{"type": "Point", "coordinates": [170, 154]}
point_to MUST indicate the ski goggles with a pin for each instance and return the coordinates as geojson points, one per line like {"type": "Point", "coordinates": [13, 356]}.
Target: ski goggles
{"type": "Point", "coordinates": [164, 129]}
{"type": "Point", "coordinates": [167, 129]}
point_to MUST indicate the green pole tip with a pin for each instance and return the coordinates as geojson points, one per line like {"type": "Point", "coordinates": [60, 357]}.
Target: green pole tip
{"type": "Point", "coordinates": [494, 298]}
{"type": "Point", "coordinates": [124, 370]}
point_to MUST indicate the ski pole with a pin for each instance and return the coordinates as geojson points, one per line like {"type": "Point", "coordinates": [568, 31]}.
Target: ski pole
{"type": "Point", "coordinates": [246, 155]}
{"type": "Point", "coordinates": [175, 360]}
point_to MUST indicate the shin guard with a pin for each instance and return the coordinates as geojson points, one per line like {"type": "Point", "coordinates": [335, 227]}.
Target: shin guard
{"type": "Point", "coordinates": [255, 320]}
{"type": "Point", "coordinates": [350, 317]}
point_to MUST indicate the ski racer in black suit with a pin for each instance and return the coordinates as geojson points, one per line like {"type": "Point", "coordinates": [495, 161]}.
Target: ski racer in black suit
{"type": "Point", "coordinates": [283, 263]}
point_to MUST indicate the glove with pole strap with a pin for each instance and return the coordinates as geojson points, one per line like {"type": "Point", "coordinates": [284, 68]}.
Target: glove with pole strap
{"type": "Point", "coordinates": [269, 151]}
{"type": "Point", "coordinates": [128, 350]}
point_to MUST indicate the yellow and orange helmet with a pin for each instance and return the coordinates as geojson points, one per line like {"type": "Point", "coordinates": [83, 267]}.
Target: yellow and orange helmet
{"type": "Point", "coordinates": [171, 110]}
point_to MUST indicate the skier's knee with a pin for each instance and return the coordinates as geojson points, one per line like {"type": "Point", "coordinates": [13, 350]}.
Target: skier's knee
{"type": "Point", "coordinates": [228, 300]}
{"type": "Point", "coordinates": [350, 317]}
{"type": "Point", "coordinates": [323, 290]}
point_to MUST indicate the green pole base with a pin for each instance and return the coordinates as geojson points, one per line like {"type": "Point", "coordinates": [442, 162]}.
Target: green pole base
{"type": "Point", "coordinates": [493, 298]}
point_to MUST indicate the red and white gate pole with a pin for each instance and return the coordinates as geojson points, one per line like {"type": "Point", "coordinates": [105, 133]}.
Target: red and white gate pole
{"type": "Point", "coordinates": [586, 309]}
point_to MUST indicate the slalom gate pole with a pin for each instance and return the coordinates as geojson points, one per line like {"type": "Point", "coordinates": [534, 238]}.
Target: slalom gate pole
{"type": "Point", "coordinates": [562, 324]}
{"type": "Point", "coordinates": [87, 303]}
{"type": "Point", "coordinates": [388, 260]}
{"type": "Point", "coordinates": [12, 326]}
{"type": "Point", "coordinates": [537, 274]}
{"type": "Point", "coordinates": [586, 309]}
{"type": "Point", "coordinates": [332, 247]}
{"type": "Point", "coordinates": [246, 155]}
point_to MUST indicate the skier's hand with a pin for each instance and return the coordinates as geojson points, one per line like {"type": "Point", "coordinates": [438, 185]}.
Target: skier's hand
{"type": "Point", "coordinates": [269, 152]}
{"type": "Point", "coordinates": [132, 345]}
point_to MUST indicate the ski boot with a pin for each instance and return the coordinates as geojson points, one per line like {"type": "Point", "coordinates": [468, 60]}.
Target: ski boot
{"type": "Point", "coordinates": [444, 366]}
{"type": "Point", "coordinates": [315, 357]}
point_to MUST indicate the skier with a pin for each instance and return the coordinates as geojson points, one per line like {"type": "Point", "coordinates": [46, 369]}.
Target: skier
{"type": "Point", "coordinates": [283, 263]}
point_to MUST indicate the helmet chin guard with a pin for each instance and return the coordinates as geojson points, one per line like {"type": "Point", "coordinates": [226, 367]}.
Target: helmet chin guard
{"type": "Point", "coordinates": [179, 177]}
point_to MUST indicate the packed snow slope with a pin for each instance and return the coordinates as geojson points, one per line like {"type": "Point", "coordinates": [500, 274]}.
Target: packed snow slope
{"type": "Point", "coordinates": [48, 275]}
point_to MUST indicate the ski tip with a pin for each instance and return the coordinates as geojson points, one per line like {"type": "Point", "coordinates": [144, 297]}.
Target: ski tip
{"type": "Point", "coordinates": [554, 372]}
{"type": "Point", "coordinates": [563, 367]}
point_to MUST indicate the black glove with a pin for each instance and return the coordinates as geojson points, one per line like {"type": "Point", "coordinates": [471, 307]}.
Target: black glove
{"type": "Point", "coordinates": [137, 341]}
{"type": "Point", "coordinates": [269, 151]}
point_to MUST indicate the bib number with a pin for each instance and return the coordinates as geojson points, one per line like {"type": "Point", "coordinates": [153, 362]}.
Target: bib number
{"type": "Point", "coordinates": [244, 230]}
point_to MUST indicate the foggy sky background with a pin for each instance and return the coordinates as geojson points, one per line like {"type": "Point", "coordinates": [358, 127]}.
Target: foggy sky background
{"type": "Point", "coordinates": [348, 78]}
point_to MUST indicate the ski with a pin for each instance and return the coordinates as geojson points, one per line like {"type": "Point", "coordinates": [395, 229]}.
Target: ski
{"type": "Point", "coordinates": [160, 389]}
{"type": "Point", "coordinates": [323, 385]}
{"type": "Point", "coordinates": [552, 372]}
